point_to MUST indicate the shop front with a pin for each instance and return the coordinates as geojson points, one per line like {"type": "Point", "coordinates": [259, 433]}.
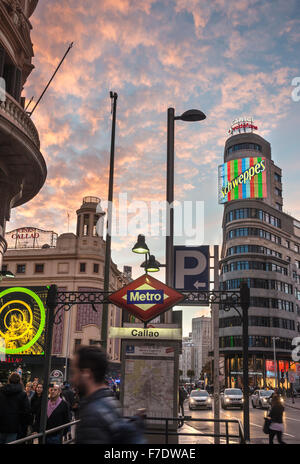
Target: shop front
{"type": "Point", "coordinates": [262, 371]}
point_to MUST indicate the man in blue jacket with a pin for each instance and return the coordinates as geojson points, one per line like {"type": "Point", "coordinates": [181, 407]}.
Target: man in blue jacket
{"type": "Point", "coordinates": [100, 415]}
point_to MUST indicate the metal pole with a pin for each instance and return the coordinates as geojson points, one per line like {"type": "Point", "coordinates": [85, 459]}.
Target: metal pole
{"type": "Point", "coordinates": [215, 313]}
{"type": "Point", "coordinates": [113, 96]}
{"type": "Point", "coordinates": [275, 362]}
{"type": "Point", "coordinates": [44, 91]}
{"type": "Point", "coordinates": [170, 199]}
{"type": "Point", "coordinates": [246, 374]}
{"type": "Point", "coordinates": [51, 305]}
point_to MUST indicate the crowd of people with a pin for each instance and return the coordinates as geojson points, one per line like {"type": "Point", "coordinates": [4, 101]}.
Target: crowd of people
{"type": "Point", "coordinates": [20, 408]}
{"type": "Point", "coordinates": [92, 398]}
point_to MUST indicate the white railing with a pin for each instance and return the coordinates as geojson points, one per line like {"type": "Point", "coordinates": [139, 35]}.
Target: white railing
{"type": "Point", "coordinates": [10, 109]}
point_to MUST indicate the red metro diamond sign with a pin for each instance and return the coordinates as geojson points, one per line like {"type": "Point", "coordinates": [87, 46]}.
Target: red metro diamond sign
{"type": "Point", "coordinates": [146, 298]}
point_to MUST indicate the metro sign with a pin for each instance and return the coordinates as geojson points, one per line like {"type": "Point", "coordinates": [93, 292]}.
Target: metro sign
{"type": "Point", "coordinates": [146, 298]}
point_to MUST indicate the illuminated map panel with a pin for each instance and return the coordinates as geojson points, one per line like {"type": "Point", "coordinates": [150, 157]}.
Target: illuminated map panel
{"type": "Point", "coordinates": [242, 178]}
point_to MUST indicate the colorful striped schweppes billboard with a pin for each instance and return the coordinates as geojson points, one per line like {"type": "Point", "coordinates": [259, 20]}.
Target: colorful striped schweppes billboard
{"type": "Point", "coordinates": [242, 178]}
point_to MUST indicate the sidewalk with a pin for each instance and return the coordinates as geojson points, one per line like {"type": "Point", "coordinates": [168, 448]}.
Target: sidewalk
{"type": "Point", "coordinates": [289, 403]}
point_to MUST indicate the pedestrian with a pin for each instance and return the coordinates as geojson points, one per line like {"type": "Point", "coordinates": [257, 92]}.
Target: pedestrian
{"type": "Point", "coordinates": [14, 409]}
{"type": "Point", "coordinates": [36, 404]}
{"type": "Point", "coordinates": [182, 397]}
{"type": "Point", "coordinates": [29, 391]}
{"type": "Point", "coordinates": [101, 421]}
{"type": "Point", "coordinates": [76, 403]}
{"type": "Point", "coordinates": [276, 425]}
{"type": "Point", "coordinates": [58, 413]}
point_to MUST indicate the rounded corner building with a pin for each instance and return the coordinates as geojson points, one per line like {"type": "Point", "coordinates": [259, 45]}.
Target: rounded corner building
{"type": "Point", "coordinates": [261, 245]}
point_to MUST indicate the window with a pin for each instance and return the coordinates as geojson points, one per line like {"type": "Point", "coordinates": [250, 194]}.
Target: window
{"type": "Point", "coordinates": [39, 268]}
{"type": "Point", "coordinates": [77, 343]}
{"type": "Point", "coordinates": [21, 268]}
{"type": "Point", "coordinates": [82, 267]}
{"type": "Point", "coordinates": [278, 192]}
{"type": "Point", "coordinates": [4, 267]}
{"type": "Point", "coordinates": [95, 226]}
{"type": "Point", "coordinates": [86, 220]}
{"type": "Point", "coordinates": [244, 146]}
{"type": "Point", "coordinates": [94, 342]}
{"type": "Point", "coordinates": [96, 268]}
{"type": "Point", "coordinates": [277, 177]}
{"type": "Point", "coordinates": [279, 206]}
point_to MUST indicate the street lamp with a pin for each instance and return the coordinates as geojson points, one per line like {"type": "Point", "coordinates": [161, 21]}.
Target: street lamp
{"type": "Point", "coordinates": [275, 361]}
{"type": "Point", "coordinates": [6, 274]}
{"type": "Point", "coordinates": [140, 246]}
{"type": "Point", "coordinates": [189, 116]}
{"type": "Point", "coordinates": [150, 264]}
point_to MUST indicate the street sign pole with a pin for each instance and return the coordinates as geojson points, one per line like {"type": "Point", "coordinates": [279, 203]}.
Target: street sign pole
{"type": "Point", "coordinates": [245, 300]}
{"type": "Point", "coordinates": [215, 313]}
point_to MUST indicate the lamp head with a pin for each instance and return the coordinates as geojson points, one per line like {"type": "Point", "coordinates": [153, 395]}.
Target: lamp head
{"type": "Point", "coordinates": [140, 246]}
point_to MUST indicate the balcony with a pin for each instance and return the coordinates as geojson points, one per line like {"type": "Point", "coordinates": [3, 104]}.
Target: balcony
{"type": "Point", "coordinates": [22, 165]}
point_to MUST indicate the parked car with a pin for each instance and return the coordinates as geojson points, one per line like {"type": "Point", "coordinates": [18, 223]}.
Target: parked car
{"type": "Point", "coordinates": [232, 397]}
{"type": "Point", "coordinates": [200, 399]}
{"type": "Point", "coordinates": [261, 398]}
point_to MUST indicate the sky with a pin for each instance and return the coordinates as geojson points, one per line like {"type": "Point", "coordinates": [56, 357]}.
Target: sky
{"type": "Point", "coordinates": [228, 59]}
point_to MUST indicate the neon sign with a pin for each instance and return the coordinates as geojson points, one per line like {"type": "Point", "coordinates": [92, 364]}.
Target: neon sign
{"type": "Point", "coordinates": [22, 321]}
{"type": "Point", "coordinates": [242, 125]}
{"type": "Point", "coordinates": [242, 178]}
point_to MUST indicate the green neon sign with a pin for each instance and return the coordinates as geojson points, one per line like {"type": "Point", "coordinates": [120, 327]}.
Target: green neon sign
{"type": "Point", "coordinates": [18, 319]}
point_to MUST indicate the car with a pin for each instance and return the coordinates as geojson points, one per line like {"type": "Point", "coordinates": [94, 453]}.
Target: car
{"type": "Point", "coordinates": [232, 397]}
{"type": "Point", "coordinates": [199, 399]}
{"type": "Point", "coordinates": [261, 398]}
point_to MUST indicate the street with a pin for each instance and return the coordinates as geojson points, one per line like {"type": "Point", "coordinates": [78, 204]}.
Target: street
{"type": "Point", "coordinates": [291, 419]}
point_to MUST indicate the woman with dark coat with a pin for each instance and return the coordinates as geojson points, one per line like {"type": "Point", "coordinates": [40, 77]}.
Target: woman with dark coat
{"type": "Point", "coordinates": [36, 403]}
{"type": "Point", "coordinates": [276, 426]}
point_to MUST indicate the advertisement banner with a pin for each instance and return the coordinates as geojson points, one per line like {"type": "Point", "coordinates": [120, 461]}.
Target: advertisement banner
{"type": "Point", "coordinates": [242, 178]}
{"type": "Point", "coordinates": [22, 320]}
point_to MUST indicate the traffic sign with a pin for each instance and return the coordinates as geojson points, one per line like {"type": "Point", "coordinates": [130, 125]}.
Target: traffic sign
{"type": "Point", "coordinates": [292, 377]}
{"type": "Point", "coordinates": [146, 298]}
{"type": "Point", "coordinates": [191, 268]}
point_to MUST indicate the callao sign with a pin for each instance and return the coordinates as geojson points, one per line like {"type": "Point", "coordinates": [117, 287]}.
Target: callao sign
{"type": "Point", "coordinates": [146, 298]}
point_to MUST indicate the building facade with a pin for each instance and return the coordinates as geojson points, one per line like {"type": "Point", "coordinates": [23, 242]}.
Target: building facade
{"type": "Point", "coordinates": [74, 263]}
{"type": "Point", "coordinates": [22, 166]}
{"type": "Point", "coordinates": [261, 245]}
{"type": "Point", "coordinates": [202, 339]}
{"type": "Point", "coordinates": [186, 359]}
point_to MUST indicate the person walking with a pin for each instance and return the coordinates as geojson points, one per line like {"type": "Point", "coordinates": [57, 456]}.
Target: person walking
{"type": "Point", "coordinates": [276, 425]}
{"type": "Point", "coordinates": [101, 421]}
{"type": "Point", "coordinates": [182, 397]}
{"type": "Point", "coordinates": [14, 409]}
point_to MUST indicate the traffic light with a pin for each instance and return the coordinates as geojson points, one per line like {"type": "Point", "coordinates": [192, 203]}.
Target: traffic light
{"type": "Point", "coordinates": [244, 295]}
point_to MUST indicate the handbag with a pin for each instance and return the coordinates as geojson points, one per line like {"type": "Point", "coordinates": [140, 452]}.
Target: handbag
{"type": "Point", "coordinates": [266, 427]}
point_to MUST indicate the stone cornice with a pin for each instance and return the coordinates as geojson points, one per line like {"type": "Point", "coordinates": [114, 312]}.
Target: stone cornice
{"type": "Point", "coordinates": [11, 30]}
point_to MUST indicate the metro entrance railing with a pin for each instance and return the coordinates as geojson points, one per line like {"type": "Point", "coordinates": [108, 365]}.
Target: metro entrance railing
{"type": "Point", "coordinates": [166, 431]}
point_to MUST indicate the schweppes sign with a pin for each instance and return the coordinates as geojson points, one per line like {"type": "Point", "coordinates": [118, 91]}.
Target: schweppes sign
{"type": "Point", "coordinates": [242, 178]}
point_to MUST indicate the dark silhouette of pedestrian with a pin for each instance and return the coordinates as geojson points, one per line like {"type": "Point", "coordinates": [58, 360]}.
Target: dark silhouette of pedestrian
{"type": "Point", "coordinates": [15, 412]}
{"type": "Point", "coordinates": [276, 426]}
